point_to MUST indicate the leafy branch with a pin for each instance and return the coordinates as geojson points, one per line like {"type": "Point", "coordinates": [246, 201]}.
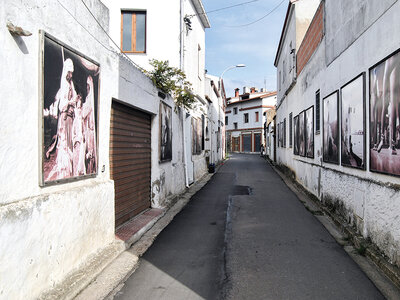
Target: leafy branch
{"type": "Point", "coordinates": [172, 81]}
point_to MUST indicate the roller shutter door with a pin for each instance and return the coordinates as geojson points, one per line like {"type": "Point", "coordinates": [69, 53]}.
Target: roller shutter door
{"type": "Point", "coordinates": [257, 142]}
{"type": "Point", "coordinates": [130, 161]}
{"type": "Point", "coordinates": [246, 142]}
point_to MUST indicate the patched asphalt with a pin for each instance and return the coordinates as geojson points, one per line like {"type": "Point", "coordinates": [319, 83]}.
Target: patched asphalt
{"type": "Point", "coordinates": [245, 235]}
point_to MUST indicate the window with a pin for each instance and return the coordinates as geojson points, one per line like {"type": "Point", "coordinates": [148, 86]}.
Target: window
{"type": "Point", "coordinates": [226, 120]}
{"type": "Point", "coordinates": [246, 118]}
{"type": "Point", "coordinates": [290, 129]}
{"type": "Point", "coordinates": [317, 112]}
{"type": "Point", "coordinates": [235, 125]}
{"type": "Point", "coordinates": [133, 31]}
{"type": "Point", "coordinates": [257, 116]}
{"type": "Point", "coordinates": [235, 110]}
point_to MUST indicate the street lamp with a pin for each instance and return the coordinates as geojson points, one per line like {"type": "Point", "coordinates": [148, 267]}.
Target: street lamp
{"type": "Point", "coordinates": [232, 67]}
{"type": "Point", "coordinates": [220, 89]}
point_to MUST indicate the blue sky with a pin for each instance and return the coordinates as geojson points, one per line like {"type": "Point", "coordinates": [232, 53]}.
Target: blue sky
{"type": "Point", "coordinates": [254, 45]}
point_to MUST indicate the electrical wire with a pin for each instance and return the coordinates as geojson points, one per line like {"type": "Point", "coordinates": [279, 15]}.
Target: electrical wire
{"type": "Point", "coordinates": [263, 17]}
{"type": "Point", "coordinates": [223, 8]}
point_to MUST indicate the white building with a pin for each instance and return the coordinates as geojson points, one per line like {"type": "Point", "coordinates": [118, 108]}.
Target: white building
{"type": "Point", "coordinates": [346, 151]}
{"type": "Point", "coordinates": [168, 30]}
{"type": "Point", "coordinates": [215, 129]}
{"type": "Point", "coordinates": [244, 119]}
{"type": "Point", "coordinates": [51, 230]}
{"type": "Point", "coordinates": [171, 30]}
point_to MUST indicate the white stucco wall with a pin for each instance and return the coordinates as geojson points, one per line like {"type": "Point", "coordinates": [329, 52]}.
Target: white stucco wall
{"type": "Point", "coordinates": [163, 29]}
{"type": "Point", "coordinates": [216, 117]}
{"type": "Point", "coordinates": [162, 42]}
{"type": "Point", "coordinates": [368, 200]}
{"type": "Point", "coordinates": [299, 18]}
{"type": "Point", "coordinates": [47, 232]}
{"type": "Point", "coordinates": [194, 59]}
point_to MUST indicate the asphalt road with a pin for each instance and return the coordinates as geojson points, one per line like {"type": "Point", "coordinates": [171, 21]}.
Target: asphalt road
{"type": "Point", "coordinates": [245, 235]}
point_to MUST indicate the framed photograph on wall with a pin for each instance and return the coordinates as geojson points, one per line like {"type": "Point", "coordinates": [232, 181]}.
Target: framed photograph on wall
{"type": "Point", "coordinates": [384, 124]}
{"type": "Point", "coordinates": [331, 128]}
{"type": "Point", "coordinates": [309, 132]}
{"type": "Point", "coordinates": [302, 137]}
{"type": "Point", "coordinates": [278, 135]}
{"type": "Point", "coordinates": [165, 132]}
{"type": "Point", "coordinates": [296, 135]}
{"type": "Point", "coordinates": [196, 136]}
{"type": "Point", "coordinates": [353, 123]}
{"type": "Point", "coordinates": [69, 85]}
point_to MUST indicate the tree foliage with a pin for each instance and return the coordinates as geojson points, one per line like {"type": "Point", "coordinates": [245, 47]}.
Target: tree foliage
{"type": "Point", "coordinates": [172, 81]}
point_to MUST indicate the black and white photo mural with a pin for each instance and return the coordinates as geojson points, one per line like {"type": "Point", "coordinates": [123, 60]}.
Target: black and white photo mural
{"type": "Point", "coordinates": [296, 135]}
{"type": "Point", "coordinates": [302, 138]}
{"type": "Point", "coordinates": [331, 128]}
{"type": "Point", "coordinates": [69, 104]}
{"type": "Point", "coordinates": [353, 123]}
{"type": "Point", "coordinates": [165, 132]}
{"type": "Point", "coordinates": [309, 132]}
{"type": "Point", "coordinates": [384, 127]}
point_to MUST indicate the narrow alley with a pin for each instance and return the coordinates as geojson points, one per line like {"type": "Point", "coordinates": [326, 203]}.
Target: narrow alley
{"type": "Point", "coordinates": [246, 235]}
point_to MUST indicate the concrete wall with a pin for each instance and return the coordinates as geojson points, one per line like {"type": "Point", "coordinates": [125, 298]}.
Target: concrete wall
{"type": "Point", "coordinates": [48, 232]}
{"type": "Point", "coordinates": [369, 201]}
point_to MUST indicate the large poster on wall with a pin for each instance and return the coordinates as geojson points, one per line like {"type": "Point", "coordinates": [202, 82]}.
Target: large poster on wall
{"type": "Point", "coordinates": [278, 133]}
{"type": "Point", "coordinates": [69, 104]}
{"type": "Point", "coordinates": [384, 115]}
{"type": "Point", "coordinates": [196, 136]}
{"type": "Point", "coordinates": [296, 135]}
{"type": "Point", "coordinates": [165, 132]}
{"type": "Point", "coordinates": [302, 138]}
{"type": "Point", "coordinates": [331, 128]}
{"type": "Point", "coordinates": [309, 132]}
{"type": "Point", "coordinates": [353, 123]}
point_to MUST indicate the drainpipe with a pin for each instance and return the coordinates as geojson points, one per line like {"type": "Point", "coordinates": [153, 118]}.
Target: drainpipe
{"type": "Point", "coordinates": [183, 111]}
{"type": "Point", "coordinates": [183, 114]}
{"type": "Point", "coordinates": [182, 36]}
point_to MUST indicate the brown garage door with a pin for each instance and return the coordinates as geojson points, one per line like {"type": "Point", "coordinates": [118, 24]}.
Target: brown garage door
{"type": "Point", "coordinates": [130, 160]}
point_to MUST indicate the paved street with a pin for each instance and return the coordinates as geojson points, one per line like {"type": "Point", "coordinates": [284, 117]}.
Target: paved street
{"type": "Point", "coordinates": [245, 235]}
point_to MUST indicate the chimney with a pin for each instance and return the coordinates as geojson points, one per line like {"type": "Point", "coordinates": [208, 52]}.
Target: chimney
{"type": "Point", "coordinates": [246, 90]}
{"type": "Point", "coordinates": [237, 92]}
{"type": "Point", "coordinates": [252, 90]}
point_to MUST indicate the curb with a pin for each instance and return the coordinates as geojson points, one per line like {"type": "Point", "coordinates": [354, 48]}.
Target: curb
{"type": "Point", "coordinates": [110, 280]}
{"type": "Point", "coordinates": [383, 275]}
